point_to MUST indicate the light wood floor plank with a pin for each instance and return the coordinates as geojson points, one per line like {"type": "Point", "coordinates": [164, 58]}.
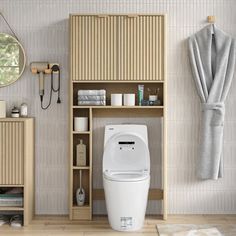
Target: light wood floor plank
{"type": "Point", "coordinates": [61, 226]}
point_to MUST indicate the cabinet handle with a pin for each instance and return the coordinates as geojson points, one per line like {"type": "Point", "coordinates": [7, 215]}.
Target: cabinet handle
{"type": "Point", "coordinates": [102, 16]}
{"type": "Point", "coordinates": [132, 15]}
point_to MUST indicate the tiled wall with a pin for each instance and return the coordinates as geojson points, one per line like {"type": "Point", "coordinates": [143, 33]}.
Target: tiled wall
{"type": "Point", "coordinates": [42, 27]}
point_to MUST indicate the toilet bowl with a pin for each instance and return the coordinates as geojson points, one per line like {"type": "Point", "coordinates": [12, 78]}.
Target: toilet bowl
{"type": "Point", "coordinates": [126, 175]}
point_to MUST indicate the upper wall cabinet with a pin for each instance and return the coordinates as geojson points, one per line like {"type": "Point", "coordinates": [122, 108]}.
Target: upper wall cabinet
{"type": "Point", "coordinates": [117, 47]}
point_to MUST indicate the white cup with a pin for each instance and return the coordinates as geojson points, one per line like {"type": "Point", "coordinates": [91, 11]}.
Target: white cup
{"type": "Point", "coordinates": [116, 99]}
{"type": "Point", "coordinates": [2, 109]}
{"type": "Point", "coordinates": [129, 99]}
{"type": "Point", "coordinates": [80, 124]}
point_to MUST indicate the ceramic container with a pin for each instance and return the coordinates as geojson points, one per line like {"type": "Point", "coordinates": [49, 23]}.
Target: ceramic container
{"type": "Point", "coordinates": [23, 110]}
{"type": "Point", "coordinates": [129, 99]}
{"type": "Point", "coordinates": [2, 109]}
{"type": "Point", "coordinates": [81, 124]}
{"type": "Point", "coordinates": [116, 99]}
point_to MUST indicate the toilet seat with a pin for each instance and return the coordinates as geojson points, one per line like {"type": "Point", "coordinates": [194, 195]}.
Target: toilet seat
{"type": "Point", "coordinates": [126, 176]}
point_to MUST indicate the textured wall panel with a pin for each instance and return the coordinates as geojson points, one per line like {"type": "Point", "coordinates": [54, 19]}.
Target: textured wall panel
{"type": "Point", "coordinates": [42, 27]}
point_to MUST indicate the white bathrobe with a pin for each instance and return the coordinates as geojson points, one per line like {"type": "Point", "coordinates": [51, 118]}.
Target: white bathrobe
{"type": "Point", "coordinates": [212, 58]}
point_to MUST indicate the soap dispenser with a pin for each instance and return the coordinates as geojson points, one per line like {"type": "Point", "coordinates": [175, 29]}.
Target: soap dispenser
{"type": "Point", "coordinates": [81, 154]}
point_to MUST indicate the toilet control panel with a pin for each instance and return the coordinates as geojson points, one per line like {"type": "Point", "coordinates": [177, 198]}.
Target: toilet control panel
{"type": "Point", "coordinates": [126, 223]}
{"type": "Point", "coordinates": [126, 145]}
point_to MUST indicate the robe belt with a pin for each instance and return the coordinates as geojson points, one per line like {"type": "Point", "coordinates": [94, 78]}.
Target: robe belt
{"type": "Point", "coordinates": [216, 111]}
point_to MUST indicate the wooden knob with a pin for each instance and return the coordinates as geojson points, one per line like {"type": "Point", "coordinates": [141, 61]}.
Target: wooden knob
{"type": "Point", "coordinates": [211, 19]}
{"type": "Point", "coordinates": [34, 70]}
{"type": "Point", "coordinates": [48, 71]}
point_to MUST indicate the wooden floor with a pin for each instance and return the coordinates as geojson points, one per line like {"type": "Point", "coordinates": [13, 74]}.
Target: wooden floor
{"type": "Point", "coordinates": [61, 226]}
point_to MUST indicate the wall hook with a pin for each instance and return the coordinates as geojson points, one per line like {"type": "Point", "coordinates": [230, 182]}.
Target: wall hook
{"type": "Point", "coordinates": [211, 19]}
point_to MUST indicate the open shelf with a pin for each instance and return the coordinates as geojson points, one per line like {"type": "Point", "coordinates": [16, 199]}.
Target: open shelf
{"type": "Point", "coordinates": [118, 88]}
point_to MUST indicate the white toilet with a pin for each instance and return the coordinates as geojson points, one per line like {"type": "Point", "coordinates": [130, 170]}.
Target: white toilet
{"type": "Point", "coordinates": [126, 175]}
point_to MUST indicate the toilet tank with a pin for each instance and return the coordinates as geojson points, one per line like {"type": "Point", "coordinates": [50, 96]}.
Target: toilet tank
{"type": "Point", "coordinates": [140, 130]}
{"type": "Point", "coordinates": [126, 148]}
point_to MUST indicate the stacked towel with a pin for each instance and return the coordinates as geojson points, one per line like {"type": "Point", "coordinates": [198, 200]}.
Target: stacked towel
{"type": "Point", "coordinates": [92, 97]}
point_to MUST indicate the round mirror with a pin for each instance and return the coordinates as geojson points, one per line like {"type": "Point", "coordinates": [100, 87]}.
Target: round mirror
{"type": "Point", "coordinates": [12, 59]}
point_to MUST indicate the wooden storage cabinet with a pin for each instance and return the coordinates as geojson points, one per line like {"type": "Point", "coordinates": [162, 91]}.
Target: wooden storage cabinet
{"type": "Point", "coordinates": [117, 47]}
{"type": "Point", "coordinates": [17, 162]}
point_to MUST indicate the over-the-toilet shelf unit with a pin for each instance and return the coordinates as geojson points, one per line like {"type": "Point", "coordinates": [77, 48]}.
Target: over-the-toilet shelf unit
{"type": "Point", "coordinates": [115, 53]}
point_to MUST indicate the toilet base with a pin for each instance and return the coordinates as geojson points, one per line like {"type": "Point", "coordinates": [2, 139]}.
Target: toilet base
{"type": "Point", "coordinates": [126, 203]}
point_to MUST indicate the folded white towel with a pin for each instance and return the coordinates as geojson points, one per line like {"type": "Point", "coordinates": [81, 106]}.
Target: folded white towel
{"type": "Point", "coordinates": [92, 103]}
{"type": "Point", "coordinates": [91, 98]}
{"type": "Point", "coordinates": [101, 92]}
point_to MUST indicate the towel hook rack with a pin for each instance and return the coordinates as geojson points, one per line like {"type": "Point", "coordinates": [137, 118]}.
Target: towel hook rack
{"type": "Point", "coordinates": [211, 19]}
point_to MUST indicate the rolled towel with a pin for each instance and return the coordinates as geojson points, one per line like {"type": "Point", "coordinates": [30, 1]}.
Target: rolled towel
{"type": "Point", "coordinates": [91, 98]}
{"type": "Point", "coordinates": [101, 92]}
{"type": "Point", "coordinates": [92, 103]}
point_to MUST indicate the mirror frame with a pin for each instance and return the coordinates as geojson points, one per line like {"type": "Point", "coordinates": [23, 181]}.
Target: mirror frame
{"type": "Point", "coordinates": [24, 64]}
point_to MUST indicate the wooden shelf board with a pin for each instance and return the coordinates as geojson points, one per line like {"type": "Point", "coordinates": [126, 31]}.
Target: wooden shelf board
{"type": "Point", "coordinates": [8, 208]}
{"type": "Point", "coordinates": [78, 132]}
{"type": "Point", "coordinates": [80, 207]}
{"type": "Point", "coordinates": [117, 81]}
{"type": "Point", "coordinates": [11, 185]}
{"type": "Point", "coordinates": [121, 107]}
{"type": "Point", "coordinates": [81, 167]}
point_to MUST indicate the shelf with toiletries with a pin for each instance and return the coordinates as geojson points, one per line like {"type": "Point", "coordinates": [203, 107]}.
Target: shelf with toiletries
{"type": "Point", "coordinates": [81, 150]}
{"type": "Point", "coordinates": [112, 95]}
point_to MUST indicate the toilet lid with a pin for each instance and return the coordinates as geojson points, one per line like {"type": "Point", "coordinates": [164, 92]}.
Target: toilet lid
{"type": "Point", "coordinates": [126, 152]}
{"type": "Point", "coordinates": [127, 176]}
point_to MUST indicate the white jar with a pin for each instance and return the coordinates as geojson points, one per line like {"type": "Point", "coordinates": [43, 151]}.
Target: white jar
{"type": "Point", "coordinates": [116, 99]}
{"type": "Point", "coordinates": [2, 109]}
{"type": "Point", "coordinates": [23, 110]}
{"type": "Point", "coordinates": [129, 99]}
{"type": "Point", "coordinates": [80, 124]}
{"type": "Point", "coordinates": [15, 112]}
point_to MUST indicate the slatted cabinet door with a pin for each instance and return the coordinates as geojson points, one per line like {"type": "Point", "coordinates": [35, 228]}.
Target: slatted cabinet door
{"type": "Point", "coordinates": [11, 153]}
{"type": "Point", "coordinates": [141, 46]}
{"type": "Point", "coordinates": [94, 47]}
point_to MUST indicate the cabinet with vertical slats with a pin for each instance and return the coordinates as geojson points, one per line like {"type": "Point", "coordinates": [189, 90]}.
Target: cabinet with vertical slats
{"type": "Point", "coordinates": [117, 47]}
{"type": "Point", "coordinates": [17, 162]}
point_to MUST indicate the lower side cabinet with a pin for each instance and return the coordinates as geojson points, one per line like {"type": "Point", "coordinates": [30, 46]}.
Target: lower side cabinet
{"type": "Point", "coordinates": [17, 168]}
